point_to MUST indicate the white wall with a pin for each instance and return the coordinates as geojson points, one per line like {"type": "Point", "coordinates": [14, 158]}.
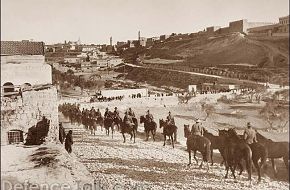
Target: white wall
{"type": "Point", "coordinates": [25, 69]}
{"type": "Point", "coordinates": [125, 92]}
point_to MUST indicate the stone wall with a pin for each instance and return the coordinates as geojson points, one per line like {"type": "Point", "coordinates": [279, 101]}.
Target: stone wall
{"type": "Point", "coordinates": [22, 113]}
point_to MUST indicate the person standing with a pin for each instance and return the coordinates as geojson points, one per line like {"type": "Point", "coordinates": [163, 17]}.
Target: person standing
{"type": "Point", "coordinates": [250, 134]}
{"type": "Point", "coordinates": [61, 133]}
{"type": "Point", "coordinates": [68, 142]}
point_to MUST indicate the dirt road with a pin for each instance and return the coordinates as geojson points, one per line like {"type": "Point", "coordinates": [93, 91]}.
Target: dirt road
{"type": "Point", "coordinates": [149, 165]}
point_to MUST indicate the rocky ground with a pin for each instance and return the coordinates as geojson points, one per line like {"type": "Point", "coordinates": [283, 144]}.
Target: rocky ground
{"type": "Point", "coordinates": [149, 165]}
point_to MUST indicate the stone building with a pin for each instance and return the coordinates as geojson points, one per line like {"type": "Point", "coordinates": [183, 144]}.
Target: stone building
{"type": "Point", "coordinates": [27, 93]}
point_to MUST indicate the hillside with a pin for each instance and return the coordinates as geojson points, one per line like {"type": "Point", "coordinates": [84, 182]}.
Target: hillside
{"type": "Point", "coordinates": [227, 49]}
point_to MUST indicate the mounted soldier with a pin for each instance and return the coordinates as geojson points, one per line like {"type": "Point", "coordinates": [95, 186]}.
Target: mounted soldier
{"type": "Point", "coordinates": [250, 134]}
{"type": "Point", "coordinates": [149, 116]}
{"type": "Point", "coordinates": [92, 112]}
{"type": "Point", "coordinates": [116, 113]}
{"type": "Point", "coordinates": [107, 113]}
{"type": "Point", "coordinates": [98, 113]}
{"type": "Point", "coordinates": [131, 113]}
{"type": "Point", "coordinates": [197, 129]}
{"type": "Point", "coordinates": [128, 120]}
{"type": "Point", "coordinates": [170, 119]}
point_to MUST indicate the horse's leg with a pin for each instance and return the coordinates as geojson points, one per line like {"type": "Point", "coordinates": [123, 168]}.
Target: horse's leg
{"type": "Point", "coordinates": [286, 162]}
{"type": "Point", "coordinates": [124, 137]}
{"type": "Point", "coordinates": [112, 131]}
{"type": "Point", "coordinates": [189, 156]}
{"type": "Point", "coordinates": [211, 155]}
{"type": "Point", "coordinates": [241, 168]}
{"type": "Point", "coordinates": [153, 135]}
{"type": "Point", "coordinates": [131, 136]}
{"type": "Point", "coordinates": [147, 135]}
{"type": "Point", "coordinates": [134, 134]}
{"type": "Point", "coordinates": [164, 140]}
{"type": "Point", "coordinates": [274, 167]}
{"type": "Point", "coordinates": [194, 156]}
{"type": "Point", "coordinates": [172, 141]}
{"type": "Point", "coordinates": [258, 169]}
{"type": "Point", "coordinates": [249, 168]}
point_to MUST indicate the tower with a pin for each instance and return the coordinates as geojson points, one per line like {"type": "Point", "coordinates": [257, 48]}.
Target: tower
{"type": "Point", "coordinates": [111, 41]}
{"type": "Point", "coordinates": [139, 35]}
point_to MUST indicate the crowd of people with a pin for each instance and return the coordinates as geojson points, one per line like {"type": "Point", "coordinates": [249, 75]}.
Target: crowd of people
{"type": "Point", "coordinates": [106, 99]}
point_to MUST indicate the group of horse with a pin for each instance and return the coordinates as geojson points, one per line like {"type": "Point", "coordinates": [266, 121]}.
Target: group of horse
{"type": "Point", "coordinates": [234, 150]}
{"type": "Point", "coordinates": [231, 146]}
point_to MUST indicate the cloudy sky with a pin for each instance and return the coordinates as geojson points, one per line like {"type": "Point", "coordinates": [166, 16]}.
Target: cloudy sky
{"type": "Point", "coordinates": [94, 21]}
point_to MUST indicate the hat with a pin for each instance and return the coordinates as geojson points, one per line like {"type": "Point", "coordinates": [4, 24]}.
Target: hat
{"type": "Point", "coordinates": [148, 111]}
{"type": "Point", "coordinates": [249, 124]}
{"type": "Point", "coordinates": [169, 112]}
{"type": "Point", "coordinates": [107, 108]}
{"type": "Point", "coordinates": [115, 107]}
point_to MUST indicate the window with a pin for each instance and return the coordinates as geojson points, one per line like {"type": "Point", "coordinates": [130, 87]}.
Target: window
{"type": "Point", "coordinates": [15, 136]}
{"type": "Point", "coordinates": [8, 87]}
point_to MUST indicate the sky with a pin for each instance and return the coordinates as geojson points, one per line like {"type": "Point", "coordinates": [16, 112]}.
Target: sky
{"type": "Point", "coordinates": [94, 21]}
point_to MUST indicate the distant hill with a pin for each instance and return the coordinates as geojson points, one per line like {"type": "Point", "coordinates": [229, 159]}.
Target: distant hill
{"type": "Point", "coordinates": [219, 50]}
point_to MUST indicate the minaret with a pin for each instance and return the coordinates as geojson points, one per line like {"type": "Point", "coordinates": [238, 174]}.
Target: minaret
{"type": "Point", "coordinates": [111, 41]}
{"type": "Point", "coordinates": [139, 35]}
{"type": "Point", "coordinates": [79, 41]}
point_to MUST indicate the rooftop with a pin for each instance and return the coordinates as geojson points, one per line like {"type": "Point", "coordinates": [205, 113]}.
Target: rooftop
{"type": "Point", "coordinates": [24, 47]}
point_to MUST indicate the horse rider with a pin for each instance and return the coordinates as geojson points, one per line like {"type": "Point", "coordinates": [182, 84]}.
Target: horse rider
{"type": "Point", "coordinates": [250, 134]}
{"type": "Point", "coordinates": [92, 112]}
{"type": "Point", "coordinates": [116, 113]}
{"type": "Point", "coordinates": [106, 114]}
{"type": "Point", "coordinates": [149, 116]}
{"type": "Point", "coordinates": [170, 119]}
{"type": "Point", "coordinates": [128, 120]}
{"type": "Point", "coordinates": [131, 113]}
{"type": "Point", "coordinates": [197, 129]}
{"type": "Point", "coordinates": [98, 113]}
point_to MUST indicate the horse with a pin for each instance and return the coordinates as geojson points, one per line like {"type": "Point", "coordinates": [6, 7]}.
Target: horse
{"type": "Point", "coordinates": [197, 143]}
{"type": "Point", "coordinates": [117, 121]}
{"type": "Point", "coordinates": [217, 142]}
{"type": "Point", "coordinates": [236, 150]}
{"type": "Point", "coordinates": [259, 152]}
{"type": "Point", "coordinates": [275, 150]}
{"type": "Point", "coordinates": [125, 128]}
{"type": "Point", "coordinates": [97, 122]}
{"type": "Point", "coordinates": [168, 130]}
{"type": "Point", "coordinates": [149, 127]}
{"type": "Point", "coordinates": [109, 123]}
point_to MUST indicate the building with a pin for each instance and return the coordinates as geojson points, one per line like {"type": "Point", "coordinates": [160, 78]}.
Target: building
{"type": "Point", "coordinates": [279, 29]}
{"type": "Point", "coordinates": [212, 29]}
{"type": "Point", "coordinates": [126, 93]}
{"type": "Point", "coordinates": [73, 60]}
{"type": "Point", "coordinates": [283, 24]}
{"type": "Point", "coordinates": [192, 88]}
{"type": "Point", "coordinates": [27, 93]}
{"type": "Point", "coordinates": [215, 87]}
{"type": "Point", "coordinates": [164, 37]}
{"type": "Point", "coordinates": [142, 41]}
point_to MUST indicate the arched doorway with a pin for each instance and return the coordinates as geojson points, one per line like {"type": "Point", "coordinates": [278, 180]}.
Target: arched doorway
{"type": "Point", "coordinates": [15, 136]}
{"type": "Point", "coordinates": [8, 87]}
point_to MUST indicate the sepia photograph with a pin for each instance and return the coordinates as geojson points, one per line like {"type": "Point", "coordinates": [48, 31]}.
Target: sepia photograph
{"type": "Point", "coordinates": [144, 95]}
